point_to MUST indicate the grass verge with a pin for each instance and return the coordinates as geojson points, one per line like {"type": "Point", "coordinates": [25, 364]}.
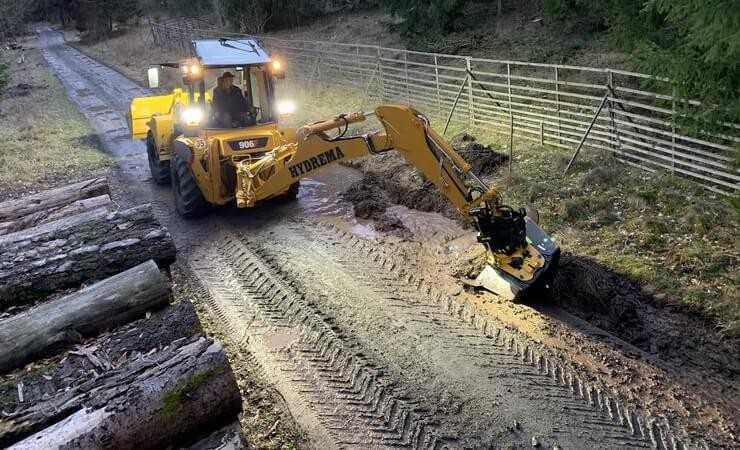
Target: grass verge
{"type": "Point", "coordinates": [44, 140]}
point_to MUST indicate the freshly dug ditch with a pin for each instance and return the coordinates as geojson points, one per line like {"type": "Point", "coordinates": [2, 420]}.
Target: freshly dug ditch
{"type": "Point", "coordinates": [584, 287]}
{"type": "Point", "coordinates": [390, 180]}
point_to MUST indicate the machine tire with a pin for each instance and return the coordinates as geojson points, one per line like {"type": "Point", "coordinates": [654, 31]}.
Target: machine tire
{"type": "Point", "coordinates": [189, 200]}
{"type": "Point", "coordinates": [292, 193]}
{"type": "Point", "coordinates": [160, 169]}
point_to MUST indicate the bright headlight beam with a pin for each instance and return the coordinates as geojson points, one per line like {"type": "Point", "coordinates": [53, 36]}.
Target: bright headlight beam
{"type": "Point", "coordinates": [192, 116]}
{"type": "Point", "coordinates": [286, 107]}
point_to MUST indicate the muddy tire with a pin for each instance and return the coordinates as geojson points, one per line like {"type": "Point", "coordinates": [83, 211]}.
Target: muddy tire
{"type": "Point", "coordinates": [189, 200]}
{"type": "Point", "coordinates": [292, 193]}
{"type": "Point", "coordinates": [160, 169]}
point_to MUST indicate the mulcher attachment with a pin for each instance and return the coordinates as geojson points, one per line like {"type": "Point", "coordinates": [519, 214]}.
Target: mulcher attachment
{"type": "Point", "coordinates": [521, 258]}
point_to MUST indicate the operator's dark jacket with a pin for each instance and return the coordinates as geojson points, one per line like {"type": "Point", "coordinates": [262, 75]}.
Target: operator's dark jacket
{"type": "Point", "coordinates": [229, 105]}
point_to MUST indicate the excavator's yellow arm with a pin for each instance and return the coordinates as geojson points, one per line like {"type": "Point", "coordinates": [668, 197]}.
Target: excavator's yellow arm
{"type": "Point", "coordinates": [521, 257]}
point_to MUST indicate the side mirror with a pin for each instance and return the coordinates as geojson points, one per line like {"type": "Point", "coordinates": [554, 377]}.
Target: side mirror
{"type": "Point", "coordinates": [153, 75]}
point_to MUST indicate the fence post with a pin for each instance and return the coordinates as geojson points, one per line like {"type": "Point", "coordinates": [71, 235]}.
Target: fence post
{"type": "Point", "coordinates": [436, 80]}
{"type": "Point", "coordinates": [383, 95]}
{"type": "Point", "coordinates": [542, 133]}
{"type": "Point", "coordinates": [471, 107]}
{"type": "Point", "coordinates": [511, 118]}
{"type": "Point", "coordinates": [357, 64]}
{"type": "Point", "coordinates": [406, 76]}
{"type": "Point", "coordinates": [615, 129]}
{"type": "Point", "coordinates": [557, 102]}
{"type": "Point", "coordinates": [673, 131]}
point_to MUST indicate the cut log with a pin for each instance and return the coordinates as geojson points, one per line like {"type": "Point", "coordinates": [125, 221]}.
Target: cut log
{"type": "Point", "coordinates": [154, 402]}
{"type": "Point", "coordinates": [226, 438]}
{"type": "Point", "coordinates": [46, 200]}
{"type": "Point", "coordinates": [56, 213]}
{"type": "Point", "coordinates": [85, 247]}
{"type": "Point", "coordinates": [106, 304]}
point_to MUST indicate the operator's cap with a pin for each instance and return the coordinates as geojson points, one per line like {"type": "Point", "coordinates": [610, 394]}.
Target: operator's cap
{"type": "Point", "coordinates": [227, 75]}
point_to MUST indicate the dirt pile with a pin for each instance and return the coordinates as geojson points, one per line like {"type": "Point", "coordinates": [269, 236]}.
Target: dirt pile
{"type": "Point", "coordinates": [389, 180]}
{"type": "Point", "coordinates": [586, 288]}
{"type": "Point", "coordinates": [483, 158]}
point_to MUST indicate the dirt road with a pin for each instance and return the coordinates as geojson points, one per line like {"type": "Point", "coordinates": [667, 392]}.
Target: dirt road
{"type": "Point", "coordinates": [365, 353]}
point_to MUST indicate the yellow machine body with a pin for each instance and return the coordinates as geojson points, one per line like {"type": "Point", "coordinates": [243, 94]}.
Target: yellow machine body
{"type": "Point", "coordinates": [250, 163]}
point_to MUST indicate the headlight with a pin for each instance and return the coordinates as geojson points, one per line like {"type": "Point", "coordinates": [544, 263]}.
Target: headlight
{"type": "Point", "coordinates": [192, 116]}
{"type": "Point", "coordinates": [286, 107]}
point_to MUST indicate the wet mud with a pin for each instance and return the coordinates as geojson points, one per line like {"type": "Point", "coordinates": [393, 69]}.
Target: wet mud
{"type": "Point", "coordinates": [389, 180]}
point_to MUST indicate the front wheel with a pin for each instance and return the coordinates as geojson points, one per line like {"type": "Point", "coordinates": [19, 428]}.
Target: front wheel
{"type": "Point", "coordinates": [189, 200]}
{"type": "Point", "coordinates": [160, 169]}
{"type": "Point", "coordinates": [292, 193]}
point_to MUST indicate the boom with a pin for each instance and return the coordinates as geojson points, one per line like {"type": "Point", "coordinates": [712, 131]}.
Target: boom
{"type": "Point", "coordinates": [405, 130]}
{"type": "Point", "coordinates": [519, 253]}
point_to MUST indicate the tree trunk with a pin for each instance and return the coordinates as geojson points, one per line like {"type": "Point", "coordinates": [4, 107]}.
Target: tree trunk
{"type": "Point", "coordinates": [114, 301]}
{"type": "Point", "coordinates": [85, 247]}
{"type": "Point", "coordinates": [52, 199]}
{"type": "Point", "coordinates": [154, 401]}
{"type": "Point", "coordinates": [49, 215]}
{"type": "Point", "coordinates": [226, 438]}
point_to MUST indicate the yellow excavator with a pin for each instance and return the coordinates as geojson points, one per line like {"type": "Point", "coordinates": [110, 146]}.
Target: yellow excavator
{"type": "Point", "coordinates": [260, 159]}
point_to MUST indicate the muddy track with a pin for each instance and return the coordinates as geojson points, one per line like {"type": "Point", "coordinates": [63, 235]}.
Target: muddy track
{"type": "Point", "coordinates": [365, 353]}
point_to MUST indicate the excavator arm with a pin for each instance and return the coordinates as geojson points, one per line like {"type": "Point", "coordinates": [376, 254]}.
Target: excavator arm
{"type": "Point", "coordinates": [521, 258]}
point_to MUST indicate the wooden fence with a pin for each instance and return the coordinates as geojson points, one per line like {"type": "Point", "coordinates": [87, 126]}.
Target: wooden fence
{"type": "Point", "coordinates": [559, 105]}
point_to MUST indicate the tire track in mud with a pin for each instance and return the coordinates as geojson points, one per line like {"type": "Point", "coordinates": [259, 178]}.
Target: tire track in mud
{"type": "Point", "coordinates": [320, 371]}
{"type": "Point", "coordinates": [497, 359]}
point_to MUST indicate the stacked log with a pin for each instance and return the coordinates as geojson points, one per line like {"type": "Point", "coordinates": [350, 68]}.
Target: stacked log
{"type": "Point", "coordinates": [52, 214]}
{"type": "Point", "coordinates": [72, 238]}
{"type": "Point", "coordinates": [51, 202]}
{"type": "Point", "coordinates": [151, 402]}
{"type": "Point", "coordinates": [89, 246]}
{"type": "Point", "coordinates": [114, 301]}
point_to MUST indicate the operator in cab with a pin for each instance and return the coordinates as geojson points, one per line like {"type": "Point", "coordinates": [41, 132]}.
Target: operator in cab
{"type": "Point", "coordinates": [230, 107]}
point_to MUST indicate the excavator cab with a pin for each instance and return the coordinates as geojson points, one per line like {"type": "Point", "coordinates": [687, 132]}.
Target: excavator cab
{"type": "Point", "coordinates": [191, 131]}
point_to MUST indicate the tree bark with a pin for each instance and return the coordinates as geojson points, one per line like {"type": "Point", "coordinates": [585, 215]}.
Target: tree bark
{"type": "Point", "coordinates": [155, 401]}
{"type": "Point", "coordinates": [51, 199]}
{"type": "Point", "coordinates": [226, 438]}
{"type": "Point", "coordinates": [85, 247]}
{"type": "Point", "coordinates": [106, 304]}
{"type": "Point", "coordinates": [57, 212]}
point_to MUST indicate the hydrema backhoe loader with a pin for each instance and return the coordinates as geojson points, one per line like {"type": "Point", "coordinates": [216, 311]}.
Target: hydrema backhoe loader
{"type": "Point", "coordinates": [189, 145]}
{"type": "Point", "coordinates": [260, 159]}
{"type": "Point", "coordinates": [521, 258]}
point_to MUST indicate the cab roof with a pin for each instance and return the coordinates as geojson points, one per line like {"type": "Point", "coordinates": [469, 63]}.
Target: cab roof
{"type": "Point", "coordinates": [222, 53]}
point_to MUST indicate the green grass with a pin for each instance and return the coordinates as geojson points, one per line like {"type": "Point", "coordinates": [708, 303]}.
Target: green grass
{"type": "Point", "coordinates": [44, 140]}
{"type": "Point", "coordinates": [679, 240]}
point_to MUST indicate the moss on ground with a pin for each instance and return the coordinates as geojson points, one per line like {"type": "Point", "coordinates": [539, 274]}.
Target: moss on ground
{"type": "Point", "coordinates": [44, 140]}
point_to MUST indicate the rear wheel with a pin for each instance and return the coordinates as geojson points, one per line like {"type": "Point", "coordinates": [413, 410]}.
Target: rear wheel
{"type": "Point", "coordinates": [160, 169]}
{"type": "Point", "coordinates": [189, 200]}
